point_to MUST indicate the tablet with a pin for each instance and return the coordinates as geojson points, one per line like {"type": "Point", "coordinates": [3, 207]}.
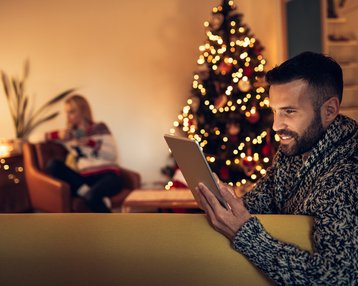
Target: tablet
{"type": "Point", "coordinates": [191, 161]}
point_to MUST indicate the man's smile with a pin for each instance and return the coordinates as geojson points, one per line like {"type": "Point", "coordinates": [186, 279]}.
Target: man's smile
{"type": "Point", "coordinates": [285, 139]}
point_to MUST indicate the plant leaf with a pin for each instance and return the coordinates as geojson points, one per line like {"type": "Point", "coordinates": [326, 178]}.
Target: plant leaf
{"type": "Point", "coordinates": [26, 69]}
{"type": "Point", "coordinates": [23, 113]}
{"type": "Point", "coordinates": [29, 129]}
{"type": "Point", "coordinates": [16, 102]}
{"type": "Point", "coordinates": [53, 101]}
{"type": "Point", "coordinates": [15, 86]}
{"type": "Point", "coordinates": [7, 90]}
{"type": "Point", "coordinates": [60, 96]}
{"type": "Point", "coordinates": [6, 84]}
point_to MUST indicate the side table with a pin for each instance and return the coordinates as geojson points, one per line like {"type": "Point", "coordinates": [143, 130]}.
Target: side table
{"type": "Point", "coordinates": [142, 200]}
{"type": "Point", "coordinates": [13, 190]}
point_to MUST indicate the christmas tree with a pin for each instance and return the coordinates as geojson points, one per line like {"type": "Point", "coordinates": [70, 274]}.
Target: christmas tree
{"type": "Point", "coordinates": [227, 112]}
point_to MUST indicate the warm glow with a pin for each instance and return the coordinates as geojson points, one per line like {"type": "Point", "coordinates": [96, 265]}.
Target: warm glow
{"type": "Point", "coordinates": [4, 150]}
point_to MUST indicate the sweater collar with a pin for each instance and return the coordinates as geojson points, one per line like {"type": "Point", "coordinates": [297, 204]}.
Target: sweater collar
{"type": "Point", "coordinates": [343, 130]}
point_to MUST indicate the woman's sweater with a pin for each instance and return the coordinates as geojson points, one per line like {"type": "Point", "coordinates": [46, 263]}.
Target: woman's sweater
{"type": "Point", "coordinates": [91, 151]}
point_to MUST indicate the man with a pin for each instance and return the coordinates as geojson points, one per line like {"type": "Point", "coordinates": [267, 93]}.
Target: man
{"type": "Point", "coordinates": [314, 173]}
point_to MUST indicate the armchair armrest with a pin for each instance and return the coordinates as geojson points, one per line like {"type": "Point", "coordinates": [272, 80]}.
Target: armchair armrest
{"type": "Point", "coordinates": [49, 194]}
{"type": "Point", "coordinates": [131, 179]}
{"type": "Point", "coordinates": [46, 193]}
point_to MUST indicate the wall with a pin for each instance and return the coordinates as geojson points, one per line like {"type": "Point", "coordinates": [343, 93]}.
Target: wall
{"type": "Point", "coordinates": [132, 59]}
{"type": "Point", "coordinates": [303, 33]}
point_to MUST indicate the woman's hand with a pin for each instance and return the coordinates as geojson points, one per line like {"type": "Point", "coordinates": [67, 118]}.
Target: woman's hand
{"type": "Point", "coordinates": [65, 134]}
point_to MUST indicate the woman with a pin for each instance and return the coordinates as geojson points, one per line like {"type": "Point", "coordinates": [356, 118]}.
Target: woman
{"type": "Point", "coordinates": [91, 167]}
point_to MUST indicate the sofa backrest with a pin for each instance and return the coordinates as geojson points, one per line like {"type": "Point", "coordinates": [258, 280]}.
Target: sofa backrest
{"type": "Point", "coordinates": [132, 249]}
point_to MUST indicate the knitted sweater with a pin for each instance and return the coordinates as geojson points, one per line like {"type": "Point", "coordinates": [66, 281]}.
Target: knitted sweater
{"type": "Point", "coordinates": [324, 186]}
{"type": "Point", "coordinates": [94, 150]}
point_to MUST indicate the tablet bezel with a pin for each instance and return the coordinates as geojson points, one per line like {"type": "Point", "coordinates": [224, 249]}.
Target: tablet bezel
{"type": "Point", "coordinates": [193, 164]}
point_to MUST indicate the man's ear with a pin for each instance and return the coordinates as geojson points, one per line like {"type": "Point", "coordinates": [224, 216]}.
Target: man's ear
{"type": "Point", "coordinates": [329, 111]}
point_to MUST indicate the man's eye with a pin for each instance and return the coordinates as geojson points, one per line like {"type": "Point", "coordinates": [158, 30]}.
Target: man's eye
{"type": "Point", "coordinates": [290, 111]}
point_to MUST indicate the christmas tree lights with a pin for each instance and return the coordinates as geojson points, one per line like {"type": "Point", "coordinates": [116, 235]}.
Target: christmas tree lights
{"type": "Point", "coordinates": [228, 112]}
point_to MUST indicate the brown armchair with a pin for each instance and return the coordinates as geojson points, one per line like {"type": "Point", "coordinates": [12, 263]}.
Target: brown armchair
{"type": "Point", "coordinates": [53, 195]}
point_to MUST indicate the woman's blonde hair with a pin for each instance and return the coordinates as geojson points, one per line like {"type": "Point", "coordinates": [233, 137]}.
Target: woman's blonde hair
{"type": "Point", "coordinates": [83, 106]}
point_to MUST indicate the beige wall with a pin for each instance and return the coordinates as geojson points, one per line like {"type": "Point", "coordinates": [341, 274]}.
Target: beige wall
{"type": "Point", "coordinates": [132, 59]}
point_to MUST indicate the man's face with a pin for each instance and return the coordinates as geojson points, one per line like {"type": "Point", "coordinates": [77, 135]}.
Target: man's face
{"type": "Point", "coordinates": [295, 119]}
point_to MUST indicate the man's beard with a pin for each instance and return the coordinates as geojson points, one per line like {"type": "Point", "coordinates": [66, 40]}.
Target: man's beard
{"type": "Point", "coordinates": [313, 133]}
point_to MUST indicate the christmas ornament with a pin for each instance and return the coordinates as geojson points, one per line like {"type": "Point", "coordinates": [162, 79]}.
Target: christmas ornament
{"type": "Point", "coordinates": [248, 166]}
{"type": "Point", "coordinates": [233, 128]}
{"type": "Point", "coordinates": [203, 71]}
{"type": "Point", "coordinates": [260, 81]}
{"type": "Point", "coordinates": [248, 163]}
{"type": "Point", "coordinates": [224, 173]}
{"type": "Point", "coordinates": [178, 180]}
{"type": "Point", "coordinates": [244, 85]}
{"type": "Point", "coordinates": [195, 102]}
{"type": "Point", "coordinates": [221, 101]}
{"type": "Point", "coordinates": [193, 122]}
{"type": "Point", "coordinates": [248, 71]}
{"type": "Point", "coordinates": [253, 118]}
{"type": "Point", "coordinates": [217, 21]}
{"type": "Point", "coordinates": [266, 150]}
{"type": "Point", "coordinates": [225, 67]}
{"type": "Point", "coordinates": [218, 87]}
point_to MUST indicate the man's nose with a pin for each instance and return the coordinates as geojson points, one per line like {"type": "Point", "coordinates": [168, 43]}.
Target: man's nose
{"type": "Point", "coordinates": [278, 123]}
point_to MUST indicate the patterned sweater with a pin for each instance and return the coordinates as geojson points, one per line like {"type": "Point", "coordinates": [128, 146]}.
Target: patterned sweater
{"type": "Point", "coordinates": [324, 186]}
{"type": "Point", "coordinates": [92, 151]}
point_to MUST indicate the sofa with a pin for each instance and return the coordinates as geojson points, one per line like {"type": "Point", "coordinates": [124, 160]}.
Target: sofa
{"type": "Point", "coordinates": [131, 249]}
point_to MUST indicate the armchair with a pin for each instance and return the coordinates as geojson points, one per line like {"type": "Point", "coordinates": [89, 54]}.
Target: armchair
{"type": "Point", "coordinates": [53, 195]}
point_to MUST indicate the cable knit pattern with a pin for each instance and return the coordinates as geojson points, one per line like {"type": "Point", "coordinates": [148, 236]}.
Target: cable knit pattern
{"type": "Point", "coordinates": [324, 186]}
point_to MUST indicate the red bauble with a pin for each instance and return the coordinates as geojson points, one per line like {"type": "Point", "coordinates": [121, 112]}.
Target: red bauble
{"type": "Point", "coordinates": [248, 71]}
{"type": "Point", "coordinates": [233, 128]}
{"type": "Point", "coordinates": [266, 150]}
{"type": "Point", "coordinates": [248, 166]}
{"type": "Point", "coordinates": [247, 163]}
{"type": "Point", "coordinates": [217, 21]}
{"type": "Point", "coordinates": [221, 101]}
{"type": "Point", "coordinates": [179, 180]}
{"type": "Point", "coordinates": [244, 85]}
{"type": "Point", "coordinates": [224, 173]}
{"type": "Point", "coordinates": [178, 185]}
{"type": "Point", "coordinates": [253, 118]}
{"type": "Point", "coordinates": [225, 67]}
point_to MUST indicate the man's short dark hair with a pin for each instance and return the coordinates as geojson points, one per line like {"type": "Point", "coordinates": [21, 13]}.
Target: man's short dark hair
{"type": "Point", "coordinates": [322, 73]}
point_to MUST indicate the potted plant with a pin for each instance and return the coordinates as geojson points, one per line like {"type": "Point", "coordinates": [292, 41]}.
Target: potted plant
{"type": "Point", "coordinates": [24, 115]}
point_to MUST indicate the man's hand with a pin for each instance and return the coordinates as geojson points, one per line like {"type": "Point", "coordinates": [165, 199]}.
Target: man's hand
{"type": "Point", "coordinates": [225, 221]}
